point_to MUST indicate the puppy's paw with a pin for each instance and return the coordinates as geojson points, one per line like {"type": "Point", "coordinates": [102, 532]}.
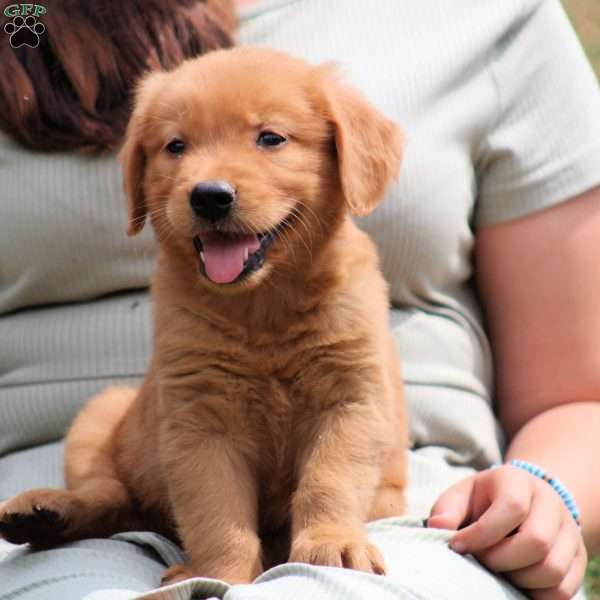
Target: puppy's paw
{"type": "Point", "coordinates": [176, 573]}
{"type": "Point", "coordinates": [337, 547]}
{"type": "Point", "coordinates": [40, 517]}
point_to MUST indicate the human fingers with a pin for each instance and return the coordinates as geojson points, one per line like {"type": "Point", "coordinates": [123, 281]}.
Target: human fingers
{"type": "Point", "coordinates": [452, 508]}
{"type": "Point", "coordinates": [571, 583]}
{"type": "Point", "coordinates": [553, 568]}
{"type": "Point", "coordinates": [536, 537]}
{"type": "Point", "coordinates": [510, 496]}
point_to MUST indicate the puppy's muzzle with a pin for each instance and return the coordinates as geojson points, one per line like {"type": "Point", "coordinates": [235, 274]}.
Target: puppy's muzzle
{"type": "Point", "coordinates": [212, 200]}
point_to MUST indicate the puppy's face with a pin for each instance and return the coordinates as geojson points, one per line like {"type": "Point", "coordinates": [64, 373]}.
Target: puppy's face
{"type": "Point", "coordinates": [245, 159]}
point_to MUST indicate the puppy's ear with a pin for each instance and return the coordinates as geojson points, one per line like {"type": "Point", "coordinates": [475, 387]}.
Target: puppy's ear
{"type": "Point", "coordinates": [132, 156]}
{"type": "Point", "coordinates": [368, 145]}
{"type": "Point", "coordinates": [133, 162]}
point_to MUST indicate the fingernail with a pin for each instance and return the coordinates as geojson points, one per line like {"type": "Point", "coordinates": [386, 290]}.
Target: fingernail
{"type": "Point", "coordinates": [458, 547]}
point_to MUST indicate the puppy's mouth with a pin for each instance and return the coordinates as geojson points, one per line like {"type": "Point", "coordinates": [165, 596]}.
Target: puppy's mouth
{"type": "Point", "coordinates": [230, 257]}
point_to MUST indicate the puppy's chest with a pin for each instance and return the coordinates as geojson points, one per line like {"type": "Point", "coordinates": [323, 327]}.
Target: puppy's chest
{"type": "Point", "coordinates": [264, 392]}
{"type": "Point", "coordinates": [267, 397]}
{"type": "Point", "coordinates": [262, 395]}
{"type": "Point", "coordinates": [273, 412]}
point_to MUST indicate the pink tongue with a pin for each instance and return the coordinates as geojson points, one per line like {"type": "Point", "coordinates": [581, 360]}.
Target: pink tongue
{"type": "Point", "coordinates": [224, 255]}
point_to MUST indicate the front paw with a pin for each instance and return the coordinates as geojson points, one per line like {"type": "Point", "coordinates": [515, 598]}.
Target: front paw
{"type": "Point", "coordinates": [40, 517]}
{"type": "Point", "coordinates": [333, 546]}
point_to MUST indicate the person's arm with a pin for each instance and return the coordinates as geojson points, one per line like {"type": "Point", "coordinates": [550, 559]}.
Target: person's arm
{"type": "Point", "coordinates": [539, 281]}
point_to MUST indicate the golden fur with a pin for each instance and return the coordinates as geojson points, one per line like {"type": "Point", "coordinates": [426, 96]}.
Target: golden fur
{"type": "Point", "coordinates": [271, 423]}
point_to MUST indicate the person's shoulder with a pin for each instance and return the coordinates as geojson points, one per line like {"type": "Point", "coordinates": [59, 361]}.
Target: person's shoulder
{"type": "Point", "coordinates": [525, 23]}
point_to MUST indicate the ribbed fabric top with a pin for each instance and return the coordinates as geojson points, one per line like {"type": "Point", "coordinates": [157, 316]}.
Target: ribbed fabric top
{"type": "Point", "coordinates": [502, 117]}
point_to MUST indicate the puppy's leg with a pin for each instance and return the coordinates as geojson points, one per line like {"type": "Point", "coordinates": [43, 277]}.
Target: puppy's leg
{"type": "Point", "coordinates": [95, 503]}
{"type": "Point", "coordinates": [339, 472]}
{"type": "Point", "coordinates": [214, 498]}
{"type": "Point", "coordinates": [389, 496]}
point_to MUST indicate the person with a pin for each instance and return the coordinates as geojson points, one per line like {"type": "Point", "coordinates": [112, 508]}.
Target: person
{"type": "Point", "coordinates": [489, 242]}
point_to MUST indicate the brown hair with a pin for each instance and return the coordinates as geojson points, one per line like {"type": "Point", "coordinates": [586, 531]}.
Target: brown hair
{"type": "Point", "coordinates": [73, 91]}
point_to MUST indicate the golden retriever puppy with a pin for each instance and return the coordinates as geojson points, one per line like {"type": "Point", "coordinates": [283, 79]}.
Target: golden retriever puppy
{"type": "Point", "coordinates": [271, 423]}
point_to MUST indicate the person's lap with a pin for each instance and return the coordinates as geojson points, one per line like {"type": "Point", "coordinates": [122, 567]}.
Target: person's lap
{"type": "Point", "coordinates": [419, 563]}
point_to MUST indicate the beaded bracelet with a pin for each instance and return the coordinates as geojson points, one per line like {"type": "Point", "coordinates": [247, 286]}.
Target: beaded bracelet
{"type": "Point", "coordinates": [556, 484]}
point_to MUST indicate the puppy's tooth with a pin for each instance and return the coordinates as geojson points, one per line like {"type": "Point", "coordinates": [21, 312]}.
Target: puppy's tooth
{"type": "Point", "coordinates": [202, 256]}
{"type": "Point", "coordinates": [245, 254]}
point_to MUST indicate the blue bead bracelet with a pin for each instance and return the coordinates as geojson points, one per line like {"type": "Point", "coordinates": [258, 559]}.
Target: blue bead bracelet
{"type": "Point", "coordinates": [555, 483]}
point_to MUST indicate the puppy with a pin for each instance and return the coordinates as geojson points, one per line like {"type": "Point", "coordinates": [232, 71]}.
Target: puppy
{"type": "Point", "coordinates": [271, 423]}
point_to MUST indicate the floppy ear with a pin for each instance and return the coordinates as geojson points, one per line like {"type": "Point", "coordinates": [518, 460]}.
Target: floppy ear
{"type": "Point", "coordinates": [132, 156]}
{"type": "Point", "coordinates": [368, 145]}
{"type": "Point", "coordinates": [133, 162]}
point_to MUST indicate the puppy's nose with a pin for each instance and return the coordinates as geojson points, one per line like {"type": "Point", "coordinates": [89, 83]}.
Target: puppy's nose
{"type": "Point", "coordinates": [212, 200]}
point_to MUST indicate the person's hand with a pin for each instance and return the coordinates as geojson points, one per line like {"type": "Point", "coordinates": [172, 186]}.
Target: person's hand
{"type": "Point", "coordinates": [517, 526]}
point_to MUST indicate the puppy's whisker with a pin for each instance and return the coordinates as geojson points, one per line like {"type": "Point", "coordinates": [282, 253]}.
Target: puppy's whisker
{"type": "Point", "coordinates": [297, 214]}
{"type": "Point", "coordinates": [315, 217]}
{"type": "Point", "coordinates": [158, 215]}
{"type": "Point", "coordinates": [140, 219]}
{"type": "Point", "coordinates": [283, 238]}
{"type": "Point", "coordinates": [151, 213]}
{"type": "Point", "coordinates": [292, 229]}
{"type": "Point", "coordinates": [290, 226]}
{"type": "Point", "coordinates": [299, 217]}
{"type": "Point", "coordinates": [309, 209]}
{"type": "Point", "coordinates": [148, 252]}
{"type": "Point", "coordinates": [315, 224]}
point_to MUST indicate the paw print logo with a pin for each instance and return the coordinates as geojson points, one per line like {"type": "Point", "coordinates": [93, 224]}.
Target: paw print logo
{"type": "Point", "coordinates": [24, 31]}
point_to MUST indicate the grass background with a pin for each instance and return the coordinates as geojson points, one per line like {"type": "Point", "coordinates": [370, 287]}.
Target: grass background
{"type": "Point", "coordinates": [585, 15]}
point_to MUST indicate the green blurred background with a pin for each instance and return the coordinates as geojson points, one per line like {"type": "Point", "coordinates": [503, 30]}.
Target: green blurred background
{"type": "Point", "coordinates": [585, 15]}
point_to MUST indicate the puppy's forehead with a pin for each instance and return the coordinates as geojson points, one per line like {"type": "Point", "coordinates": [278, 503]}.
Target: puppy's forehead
{"type": "Point", "coordinates": [240, 86]}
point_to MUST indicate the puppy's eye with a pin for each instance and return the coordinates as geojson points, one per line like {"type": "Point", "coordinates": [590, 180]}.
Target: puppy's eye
{"type": "Point", "coordinates": [269, 139]}
{"type": "Point", "coordinates": [175, 146]}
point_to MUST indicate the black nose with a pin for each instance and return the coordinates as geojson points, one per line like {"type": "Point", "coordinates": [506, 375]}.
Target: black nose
{"type": "Point", "coordinates": [212, 200]}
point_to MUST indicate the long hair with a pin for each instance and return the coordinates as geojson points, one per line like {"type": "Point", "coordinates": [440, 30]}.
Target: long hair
{"type": "Point", "coordinates": [73, 91]}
